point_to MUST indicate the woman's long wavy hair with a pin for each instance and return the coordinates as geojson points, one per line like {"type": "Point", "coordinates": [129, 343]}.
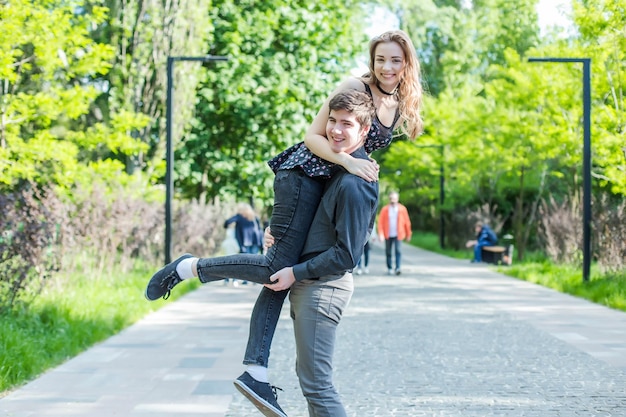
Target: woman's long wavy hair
{"type": "Point", "coordinates": [410, 91]}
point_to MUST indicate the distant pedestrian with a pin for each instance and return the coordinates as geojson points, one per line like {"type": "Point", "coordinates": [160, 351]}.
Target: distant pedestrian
{"type": "Point", "coordinates": [485, 236]}
{"type": "Point", "coordinates": [394, 226]}
{"type": "Point", "coordinates": [248, 231]}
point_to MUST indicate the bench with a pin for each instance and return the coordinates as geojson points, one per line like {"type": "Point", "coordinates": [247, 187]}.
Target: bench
{"type": "Point", "coordinates": [497, 255]}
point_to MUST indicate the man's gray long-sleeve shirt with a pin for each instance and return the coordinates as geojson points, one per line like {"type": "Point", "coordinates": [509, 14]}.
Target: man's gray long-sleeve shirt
{"type": "Point", "coordinates": [341, 227]}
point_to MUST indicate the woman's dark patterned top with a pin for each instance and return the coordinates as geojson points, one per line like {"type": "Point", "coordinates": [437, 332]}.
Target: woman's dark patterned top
{"type": "Point", "coordinates": [378, 137]}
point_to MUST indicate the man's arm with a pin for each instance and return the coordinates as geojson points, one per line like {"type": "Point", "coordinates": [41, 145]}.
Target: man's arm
{"type": "Point", "coordinates": [407, 223]}
{"type": "Point", "coordinates": [282, 279]}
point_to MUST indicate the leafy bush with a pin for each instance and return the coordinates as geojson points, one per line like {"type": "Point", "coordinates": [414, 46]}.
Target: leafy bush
{"type": "Point", "coordinates": [562, 232]}
{"type": "Point", "coordinates": [561, 229]}
{"type": "Point", "coordinates": [609, 234]}
{"type": "Point", "coordinates": [29, 244]}
{"type": "Point", "coordinates": [42, 234]}
{"type": "Point", "coordinates": [460, 224]}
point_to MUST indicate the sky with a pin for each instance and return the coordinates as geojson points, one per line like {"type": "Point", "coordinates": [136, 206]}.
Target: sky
{"type": "Point", "coordinates": [553, 13]}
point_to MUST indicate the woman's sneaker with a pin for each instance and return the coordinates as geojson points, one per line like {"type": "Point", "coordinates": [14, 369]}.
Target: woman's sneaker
{"type": "Point", "coordinates": [261, 394]}
{"type": "Point", "coordinates": [164, 280]}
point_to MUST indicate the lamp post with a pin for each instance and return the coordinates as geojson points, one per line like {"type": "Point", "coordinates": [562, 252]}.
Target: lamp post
{"type": "Point", "coordinates": [442, 225]}
{"type": "Point", "coordinates": [586, 155]}
{"type": "Point", "coordinates": [169, 154]}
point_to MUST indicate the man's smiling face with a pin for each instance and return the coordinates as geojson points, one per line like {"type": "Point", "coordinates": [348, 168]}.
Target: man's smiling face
{"type": "Point", "coordinates": [344, 132]}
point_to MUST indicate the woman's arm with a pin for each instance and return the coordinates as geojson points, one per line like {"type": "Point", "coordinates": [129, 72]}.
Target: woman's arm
{"type": "Point", "coordinates": [231, 220]}
{"type": "Point", "coordinates": [315, 139]}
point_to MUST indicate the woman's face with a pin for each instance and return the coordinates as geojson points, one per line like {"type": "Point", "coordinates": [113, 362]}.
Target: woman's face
{"type": "Point", "coordinates": [389, 63]}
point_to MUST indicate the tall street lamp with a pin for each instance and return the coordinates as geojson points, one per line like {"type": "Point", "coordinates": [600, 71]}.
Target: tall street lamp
{"type": "Point", "coordinates": [586, 155]}
{"type": "Point", "coordinates": [169, 157]}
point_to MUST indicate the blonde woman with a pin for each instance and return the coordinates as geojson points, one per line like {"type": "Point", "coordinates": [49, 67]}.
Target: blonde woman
{"type": "Point", "coordinates": [248, 230]}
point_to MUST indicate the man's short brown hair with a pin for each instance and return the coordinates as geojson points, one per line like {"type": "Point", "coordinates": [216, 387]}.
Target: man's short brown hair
{"type": "Point", "coordinates": [356, 102]}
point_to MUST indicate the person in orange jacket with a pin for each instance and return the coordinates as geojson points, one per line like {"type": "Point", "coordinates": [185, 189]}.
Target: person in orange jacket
{"type": "Point", "coordinates": [394, 226]}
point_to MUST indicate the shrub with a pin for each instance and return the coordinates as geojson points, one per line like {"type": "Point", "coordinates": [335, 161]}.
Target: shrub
{"type": "Point", "coordinates": [29, 244]}
{"type": "Point", "coordinates": [609, 234]}
{"type": "Point", "coordinates": [460, 224]}
{"type": "Point", "coordinates": [99, 229]}
{"type": "Point", "coordinates": [561, 229]}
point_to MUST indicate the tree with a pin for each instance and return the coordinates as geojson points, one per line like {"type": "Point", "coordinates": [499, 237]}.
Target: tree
{"type": "Point", "coordinates": [144, 33]}
{"type": "Point", "coordinates": [46, 89]}
{"type": "Point", "coordinates": [512, 137]}
{"type": "Point", "coordinates": [285, 57]}
{"type": "Point", "coordinates": [602, 37]}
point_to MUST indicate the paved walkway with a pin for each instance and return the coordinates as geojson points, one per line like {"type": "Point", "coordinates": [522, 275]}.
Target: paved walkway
{"type": "Point", "coordinates": [446, 338]}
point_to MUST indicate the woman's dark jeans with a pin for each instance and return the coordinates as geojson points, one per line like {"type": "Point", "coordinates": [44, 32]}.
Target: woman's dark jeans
{"type": "Point", "coordinates": [296, 197]}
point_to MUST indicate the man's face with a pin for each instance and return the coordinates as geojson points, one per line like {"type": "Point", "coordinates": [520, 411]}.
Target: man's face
{"type": "Point", "coordinates": [344, 132]}
{"type": "Point", "coordinates": [394, 198]}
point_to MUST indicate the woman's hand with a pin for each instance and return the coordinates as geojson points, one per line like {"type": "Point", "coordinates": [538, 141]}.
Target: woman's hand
{"type": "Point", "coordinates": [268, 239]}
{"type": "Point", "coordinates": [365, 168]}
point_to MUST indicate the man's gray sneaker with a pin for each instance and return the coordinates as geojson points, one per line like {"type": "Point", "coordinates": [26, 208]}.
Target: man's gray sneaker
{"type": "Point", "coordinates": [164, 280]}
{"type": "Point", "coordinates": [261, 394]}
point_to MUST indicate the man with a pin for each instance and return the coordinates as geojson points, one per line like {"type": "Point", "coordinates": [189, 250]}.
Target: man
{"type": "Point", "coordinates": [485, 236]}
{"type": "Point", "coordinates": [321, 284]}
{"type": "Point", "coordinates": [394, 226]}
{"type": "Point", "coordinates": [342, 223]}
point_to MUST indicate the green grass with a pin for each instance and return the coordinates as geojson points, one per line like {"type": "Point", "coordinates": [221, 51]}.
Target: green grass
{"type": "Point", "coordinates": [605, 289]}
{"type": "Point", "coordinates": [72, 314]}
{"type": "Point", "coordinates": [430, 242]}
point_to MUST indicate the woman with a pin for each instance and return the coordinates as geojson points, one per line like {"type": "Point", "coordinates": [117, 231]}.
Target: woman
{"type": "Point", "coordinates": [247, 228]}
{"type": "Point", "coordinates": [393, 82]}
{"type": "Point", "coordinates": [248, 232]}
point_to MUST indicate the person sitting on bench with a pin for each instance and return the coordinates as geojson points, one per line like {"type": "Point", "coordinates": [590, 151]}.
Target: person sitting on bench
{"type": "Point", "coordinates": [485, 236]}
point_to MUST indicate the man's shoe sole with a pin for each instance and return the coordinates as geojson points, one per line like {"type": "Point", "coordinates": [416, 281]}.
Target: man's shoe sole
{"type": "Point", "coordinates": [264, 407]}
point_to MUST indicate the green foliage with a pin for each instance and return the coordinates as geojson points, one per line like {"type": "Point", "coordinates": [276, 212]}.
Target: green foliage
{"type": "Point", "coordinates": [608, 290]}
{"type": "Point", "coordinates": [46, 91]}
{"type": "Point", "coordinates": [512, 130]}
{"type": "Point", "coordinates": [430, 242]}
{"type": "Point", "coordinates": [143, 34]}
{"type": "Point", "coordinates": [602, 28]}
{"type": "Point", "coordinates": [285, 57]}
{"type": "Point", "coordinates": [476, 123]}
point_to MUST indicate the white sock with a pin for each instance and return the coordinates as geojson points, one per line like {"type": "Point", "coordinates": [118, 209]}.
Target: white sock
{"type": "Point", "coordinates": [184, 268]}
{"type": "Point", "coordinates": [258, 372]}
